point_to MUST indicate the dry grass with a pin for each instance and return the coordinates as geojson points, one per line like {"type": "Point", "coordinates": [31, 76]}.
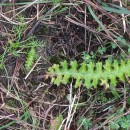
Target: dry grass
{"type": "Point", "coordinates": [58, 31]}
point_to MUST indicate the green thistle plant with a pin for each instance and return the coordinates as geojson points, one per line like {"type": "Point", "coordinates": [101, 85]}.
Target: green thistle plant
{"type": "Point", "coordinates": [30, 58]}
{"type": "Point", "coordinates": [90, 74]}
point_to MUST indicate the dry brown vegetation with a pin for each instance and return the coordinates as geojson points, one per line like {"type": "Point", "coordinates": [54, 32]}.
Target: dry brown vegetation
{"type": "Point", "coordinates": [34, 35]}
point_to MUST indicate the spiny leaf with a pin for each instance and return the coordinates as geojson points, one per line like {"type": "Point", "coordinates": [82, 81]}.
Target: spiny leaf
{"type": "Point", "coordinates": [30, 58]}
{"type": "Point", "coordinates": [90, 74]}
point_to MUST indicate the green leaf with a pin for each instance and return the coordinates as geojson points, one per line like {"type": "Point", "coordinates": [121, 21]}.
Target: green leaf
{"type": "Point", "coordinates": [115, 94]}
{"type": "Point", "coordinates": [116, 9]}
{"type": "Point", "coordinates": [55, 124]}
{"type": "Point", "coordinates": [91, 74]}
{"type": "Point", "coordinates": [30, 58]}
{"type": "Point", "coordinates": [56, 1]}
{"type": "Point", "coordinates": [114, 125]}
{"type": "Point", "coordinates": [128, 117]}
{"type": "Point", "coordinates": [114, 45]}
{"type": "Point", "coordinates": [86, 123]}
{"type": "Point", "coordinates": [101, 50]}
